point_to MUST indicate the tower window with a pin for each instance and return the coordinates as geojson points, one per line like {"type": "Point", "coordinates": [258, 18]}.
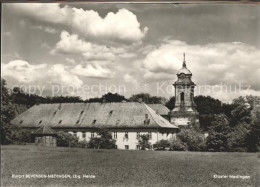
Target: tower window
{"type": "Point", "coordinates": [182, 97]}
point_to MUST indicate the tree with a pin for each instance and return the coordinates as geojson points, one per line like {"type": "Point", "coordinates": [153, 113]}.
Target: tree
{"type": "Point", "coordinates": [207, 105]}
{"type": "Point", "coordinates": [109, 97]}
{"type": "Point", "coordinates": [7, 113]}
{"type": "Point", "coordinates": [147, 98]}
{"type": "Point", "coordinates": [218, 134]}
{"type": "Point", "coordinates": [65, 139]}
{"type": "Point", "coordinates": [161, 145]}
{"type": "Point", "coordinates": [171, 103]}
{"type": "Point", "coordinates": [178, 145]}
{"type": "Point", "coordinates": [192, 138]}
{"type": "Point", "coordinates": [237, 138]}
{"type": "Point", "coordinates": [253, 137]}
{"type": "Point", "coordinates": [103, 141]}
{"type": "Point", "coordinates": [143, 142]}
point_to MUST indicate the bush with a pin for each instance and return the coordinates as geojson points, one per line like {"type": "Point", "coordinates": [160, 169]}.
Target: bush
{"type": "Point", "coordinates": [83, 144]}
{"type": "Point", "coordinates": [22, 136]}
{"type": "Point", "coordinates": [65, 139]}
{"type": "Point", "coordinates": [104, 141]}
{"type": "Point", "coordinates": [143, 142]}
{"type": "Point", "coordinates": [178, 145]}
{"type": "Point", "coordinates": [193, 139]}
{"type": "Point", "coordinates": [161, 145]}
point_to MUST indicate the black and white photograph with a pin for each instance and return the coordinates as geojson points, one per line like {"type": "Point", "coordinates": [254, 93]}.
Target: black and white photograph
{"type": "Point", "coordinates": [130, 94]}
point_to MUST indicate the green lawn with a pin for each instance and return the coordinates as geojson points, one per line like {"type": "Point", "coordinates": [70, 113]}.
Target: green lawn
{"type": "Point", "coordinates": [128, 168]}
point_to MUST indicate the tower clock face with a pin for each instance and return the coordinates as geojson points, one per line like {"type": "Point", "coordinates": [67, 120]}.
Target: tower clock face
{"type": "Point", "coordinates": [182, 76]}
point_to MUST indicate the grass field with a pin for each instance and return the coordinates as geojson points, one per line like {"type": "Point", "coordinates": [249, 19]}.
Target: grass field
{"type": "Point", "coordinates": [125, 167]}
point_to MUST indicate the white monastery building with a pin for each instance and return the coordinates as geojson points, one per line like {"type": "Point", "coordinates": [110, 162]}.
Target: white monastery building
{"type": "Point", "coordinates": [125, 120]}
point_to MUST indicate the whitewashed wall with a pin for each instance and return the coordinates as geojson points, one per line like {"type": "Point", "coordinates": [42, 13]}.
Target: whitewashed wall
{"type": "Point", "coordinates": [132, 140]}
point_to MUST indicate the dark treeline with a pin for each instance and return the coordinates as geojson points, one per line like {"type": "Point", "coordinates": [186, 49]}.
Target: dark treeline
{"type": "Point", "coordinates": [230, 127]}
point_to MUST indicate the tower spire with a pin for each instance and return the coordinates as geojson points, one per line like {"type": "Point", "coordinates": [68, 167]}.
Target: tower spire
{"type": "Point", "coordinates": [184, 61]}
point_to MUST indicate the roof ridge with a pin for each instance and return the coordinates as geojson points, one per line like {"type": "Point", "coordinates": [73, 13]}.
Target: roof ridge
{"type": "Point", "coordinates": [147, 107]}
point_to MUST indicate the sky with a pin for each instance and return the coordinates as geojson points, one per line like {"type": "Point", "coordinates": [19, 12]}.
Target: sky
{"type": "Point", "coordinates": [89, 49]}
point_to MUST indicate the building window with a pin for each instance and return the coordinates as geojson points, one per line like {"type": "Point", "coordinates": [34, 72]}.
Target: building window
{"type": "Point", "coordinates": [75, 134]}
{"type": "Point", "coordinates": [126, 146]}
{"type": "Point", "coordinates": [83, 134]}
{"type": "Point", "coordinates": [92, 134]}
{"type": "Point", "coordinates": [126, 135]}
{"type": "Point", "coordinates": [150, 135]}
{"type": "Point", "coordinates": [115, 135]}
{"type": "Point", "coordinates": [138, 135]}
{"type": "Point", "coordinates": [138, 147]}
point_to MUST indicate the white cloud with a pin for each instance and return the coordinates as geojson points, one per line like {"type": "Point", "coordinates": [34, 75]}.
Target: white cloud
{"type": "Point", "coordinates": [61, 74]}
{"type": "Point", "coordinates": [129, 78]}
{"type": "Point", "coordinates": [45, 45]}
{"type": "Point", "coordinates": [92, 71]}
{"type": "Point", "coordinates": [22, 71]}
{"type": "Point", "coordinates": [229, 63]}
{"type": "Point", "coordinates": [122, 25]}
{"type": "Point", "coordinates": [72, 44]}
{"type": "Point", "coordinates": [70, 60]}
{"type": "Point", "coordinates": [50, 30]}
{"type": "Point", "coordinates": [49, 12]}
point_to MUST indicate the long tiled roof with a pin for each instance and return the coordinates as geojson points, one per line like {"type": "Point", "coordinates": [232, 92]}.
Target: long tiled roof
{"type": "Point", "coordinates": [159, 109]}
{"type": "Point", "coordinates": [92, 115]}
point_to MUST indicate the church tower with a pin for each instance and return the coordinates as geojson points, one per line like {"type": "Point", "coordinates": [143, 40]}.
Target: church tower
{"type": "Point", "coordinates": [184, 112]}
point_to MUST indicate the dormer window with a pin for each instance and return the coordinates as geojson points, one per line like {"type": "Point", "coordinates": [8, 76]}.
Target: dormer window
{"type": "Point", "coordinates": [40, 122]}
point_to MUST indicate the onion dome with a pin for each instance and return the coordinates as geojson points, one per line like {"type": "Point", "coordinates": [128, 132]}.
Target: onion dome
{"type": "Point", "coordinates": [184, 69]}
